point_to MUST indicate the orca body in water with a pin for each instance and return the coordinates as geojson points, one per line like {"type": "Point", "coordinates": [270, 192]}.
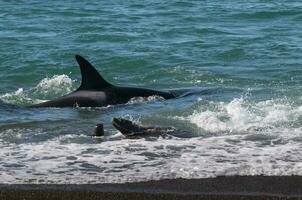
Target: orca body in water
{"type": "Point", "coordinates": [95, 91]}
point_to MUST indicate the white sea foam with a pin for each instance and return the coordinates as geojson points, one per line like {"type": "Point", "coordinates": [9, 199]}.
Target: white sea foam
{"type": "Point", "coordinates": [46, 89]}
{"type": "Point", "coordinates": [18, 97]}
{"type": "Point", "coordinates": [138, 160]}
{"type": "Point", "coordinates": [240, 137]}
{"type": "Point", "coordinates": [54, 86]}
{"type": "Point", "coordinates": [135, 100]}
{"type": "Point", "coordinates": [241, 115]}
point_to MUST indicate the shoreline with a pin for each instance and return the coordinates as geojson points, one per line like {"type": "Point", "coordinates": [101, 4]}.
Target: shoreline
{"type": "Point", "coordinates": [225, 187]}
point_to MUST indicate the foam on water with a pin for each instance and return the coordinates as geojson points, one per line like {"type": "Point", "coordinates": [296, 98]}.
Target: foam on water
{"type": "Point", "coordinates": [240, 137]}
{"type": "Point", "coordinates": [136, 100]}
{"type": "Point", "coordinates": [125, 160]}
{"type": "Point", "coordinates": [237, 137]}
{"type": "Point", "coordinates": [18, 97]}
{"type": "Point", "coordinates": [46, 89]}
{"type": "Point", "coordinates": [244, 116]}
{"type": "Point", "coordinates": [55, 86]}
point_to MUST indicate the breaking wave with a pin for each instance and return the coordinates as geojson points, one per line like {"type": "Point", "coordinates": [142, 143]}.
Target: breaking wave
{"type": "Point", "coordinates": [277, 117]}
{"type": "Point", "coordinates": [55, 86]}
{"type": "Point", "coordinates": [46, 89]}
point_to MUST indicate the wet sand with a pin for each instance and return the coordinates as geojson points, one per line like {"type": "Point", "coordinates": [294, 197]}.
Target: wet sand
{"type": "Point", "coordinates": [233, 187]}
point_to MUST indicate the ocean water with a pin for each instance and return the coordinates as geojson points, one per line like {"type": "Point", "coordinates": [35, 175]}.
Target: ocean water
{"type": "Point", "coordinates": [243, 60]}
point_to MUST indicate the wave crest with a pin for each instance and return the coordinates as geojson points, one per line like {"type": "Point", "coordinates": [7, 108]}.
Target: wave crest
{"type": "Point", "coordinates": [240, 115]}
{"type": "Point", "coordinates": [46, 89]}
{"type": "Point", "coordinates": [55, 86]}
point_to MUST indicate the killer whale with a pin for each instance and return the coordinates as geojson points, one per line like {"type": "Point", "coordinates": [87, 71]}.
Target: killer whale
{"type": "Point", "coordinates": [95, 91]}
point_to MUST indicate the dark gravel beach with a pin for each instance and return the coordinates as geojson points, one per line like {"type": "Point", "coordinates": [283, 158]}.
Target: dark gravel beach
{"type": "Point", "coordinates": [236, 187]}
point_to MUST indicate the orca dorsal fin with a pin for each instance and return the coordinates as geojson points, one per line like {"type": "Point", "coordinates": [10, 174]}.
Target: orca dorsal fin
{"type": "Point", "coordinates": [91, 79]}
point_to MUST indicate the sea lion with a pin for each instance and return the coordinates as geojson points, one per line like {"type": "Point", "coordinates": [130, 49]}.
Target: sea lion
{"type": "Point", "coordinates": [131, 129]}
{"type": "Point", "coordinates": [99, 130]}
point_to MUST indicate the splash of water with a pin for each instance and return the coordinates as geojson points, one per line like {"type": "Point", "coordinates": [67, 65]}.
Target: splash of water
{"type": "Point", "coordinates": [243, 116]}
{"type": "Point", "coordinates": [55, 86]}
{"type": "Point", "coordinates": [46, 89]}
{"type": "Point", "coordinates": [136, 100]}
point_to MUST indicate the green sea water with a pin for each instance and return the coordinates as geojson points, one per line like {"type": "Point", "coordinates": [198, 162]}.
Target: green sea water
{"type": "Point", "coordinates": [243, 59]}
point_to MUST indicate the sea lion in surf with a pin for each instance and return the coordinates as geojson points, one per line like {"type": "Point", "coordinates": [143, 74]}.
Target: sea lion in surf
{"type": "Point", "coordinates": [131, 129]}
